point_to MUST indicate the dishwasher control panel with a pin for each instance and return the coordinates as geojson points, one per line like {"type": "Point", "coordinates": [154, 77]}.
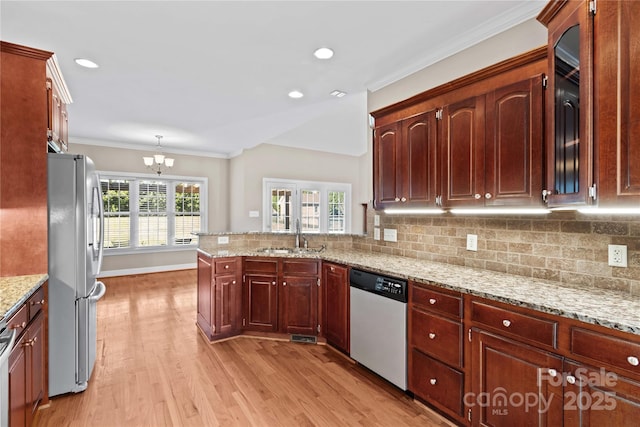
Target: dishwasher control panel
{"type": "Point", "coordinates": [382, 285]}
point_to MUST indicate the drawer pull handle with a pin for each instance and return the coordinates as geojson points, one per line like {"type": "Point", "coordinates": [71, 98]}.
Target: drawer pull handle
{"type": "Point", "coordinates": [19, 325]}
{"type": "Point", "coordinates": [432, 301]}
{"type": "Point", "coordinates": [633, 361]}
{"type": "Point", "coordinates": [41, 302]}
{"type": "Point", "coordinates": [432, 335]}
{"type": "Point", "coordinates": [506, 323]}
{"type": "Point", "coordinates": [571, 379]}
{"type": "Point", "coordinates": [433, 381]}
{"type": "Point", "coordinates": [553, 373]}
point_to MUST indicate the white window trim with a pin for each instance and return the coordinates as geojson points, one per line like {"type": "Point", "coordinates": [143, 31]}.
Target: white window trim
{"type": "Point", "coordinates": [133, 191]}
{"type": "Point", "coordinates": [297, 186]}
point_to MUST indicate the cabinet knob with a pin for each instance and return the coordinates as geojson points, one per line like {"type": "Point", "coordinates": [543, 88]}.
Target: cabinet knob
{"type": "Point", "coordinates": [284, 283]}
{"type": "Point", "coordinates": [18, 325]}
{"type": "Point", "coordinates": [571, 379]}
{"type": "Point", "coordinates": [41, 302]}
{"type": "Point", "coordinates": [432, 335]}
{"type": "Point", "coordinates": [397, 199]}
{"type": "Point", "coordinates": [226, 266]}
{"type": "Point", "coordinates": [432, 301]}
{"type": "Point", "coordinates": [404, 199]}
{"type": "Point", "coordinates": [487, 195]}
{"type": "Point", "coordinates": [233, 282]}
{"type": "Point", "coordinates": [552, 373]}
{"type": "Point", "coordinates": [433, 381]}
{"type": "Point", "coordinates": [506, 323]}
{"type": "Point", "coordinates": [477, 196]}
{"type": "Point", "coordinates": [332, 269]}
{"type": "Point", "coordinates": [273, 283]}
{"type": "Point", "coordinates": [633, 361]}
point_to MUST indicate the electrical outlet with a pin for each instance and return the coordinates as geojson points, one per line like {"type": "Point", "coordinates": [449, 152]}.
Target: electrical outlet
{"type": "Point", "coordinates": [376, 233]}
{"type": "Point", "coordinates": [223, 240]}
{"type": "Point", "coordinates": [472, 242]}
{"type": "Point", "coordinates": [390, 235]}
{"type": "Point", "coordinates": [618, 255]}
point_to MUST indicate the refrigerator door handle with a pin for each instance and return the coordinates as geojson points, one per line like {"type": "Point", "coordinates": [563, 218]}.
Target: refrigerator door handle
{"type": "Point", "coordinates": [98, 293]}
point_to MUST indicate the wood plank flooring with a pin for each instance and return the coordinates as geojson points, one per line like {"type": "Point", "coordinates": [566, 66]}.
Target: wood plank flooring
{"type": "Point", "coordinates": [154, 369]}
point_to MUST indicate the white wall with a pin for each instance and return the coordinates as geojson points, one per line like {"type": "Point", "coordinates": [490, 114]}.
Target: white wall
{"type": "Point", "coordinates": [124, 160]}
{"type": "Point", "coordinates": [274, 161]}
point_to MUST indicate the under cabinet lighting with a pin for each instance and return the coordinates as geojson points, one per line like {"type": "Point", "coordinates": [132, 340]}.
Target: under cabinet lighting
{"type": "Point", "coordinates": [500, 211]}
{"type": "Point", "coordinates": [414, 211]}
{"type": "Point", "coordinates": [609, 211]}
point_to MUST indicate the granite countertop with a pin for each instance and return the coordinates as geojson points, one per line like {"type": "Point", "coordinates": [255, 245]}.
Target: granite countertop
{"type": "Point", "coordinates": [609, 308]}
{"type": "Point", "coordinates": [15, 290]}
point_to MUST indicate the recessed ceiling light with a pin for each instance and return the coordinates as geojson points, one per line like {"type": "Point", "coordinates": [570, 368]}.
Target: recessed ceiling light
{"type": "Point", "coordinates": [86, 63]}
{"type": "Point", "coordinates": [338, 93]}
{"type": "Point", "coordinates": [323, 53]}
{"type": "Point", "coordinates": [295, 94]}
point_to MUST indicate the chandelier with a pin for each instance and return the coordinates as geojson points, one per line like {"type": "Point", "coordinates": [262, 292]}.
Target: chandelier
{"type": "Point", "coordinates": [158, 161]}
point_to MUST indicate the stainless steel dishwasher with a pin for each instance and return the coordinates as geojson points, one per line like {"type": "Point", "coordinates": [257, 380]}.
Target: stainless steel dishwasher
{"type": "Point", "coordinates": [7, 337]}
{"type": "Point", "coordinates": [379, 324]}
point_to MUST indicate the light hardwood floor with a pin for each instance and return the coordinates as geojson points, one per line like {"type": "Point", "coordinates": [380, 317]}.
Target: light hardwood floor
{"type": "Point", "coordinates": [154, 369]}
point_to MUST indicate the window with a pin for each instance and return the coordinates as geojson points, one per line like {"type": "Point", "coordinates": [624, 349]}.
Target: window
{"type": "Point", "coordinates": [149, 213]}
{"type": "Point", "coordinates": [320, 207]}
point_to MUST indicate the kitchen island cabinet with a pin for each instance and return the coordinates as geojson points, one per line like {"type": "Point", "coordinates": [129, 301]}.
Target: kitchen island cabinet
{"type": "Point", "coordinates": [335, 305]}
{"type": "Point", "coordinates": [298, 309]}
{"type": "Point", "coordinates": [219, 296]}
{"type": "Point", "coordinates": [260, 299]}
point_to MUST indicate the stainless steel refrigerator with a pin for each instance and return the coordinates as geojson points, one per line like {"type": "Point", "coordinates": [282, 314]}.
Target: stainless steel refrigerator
{"type": "Point", "coordinates": [75, 258]}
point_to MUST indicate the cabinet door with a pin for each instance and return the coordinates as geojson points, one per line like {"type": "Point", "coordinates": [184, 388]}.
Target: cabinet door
{"type": "Point", "coordinates": [205, 300]}
{"type": "Point", "coordinates": [569, 114]}
{"type": "Point", "coordinates": [37, 365]}
{"type": "Point", "coordinates": [335, 280]}
{"type": "Point", "coordinates": [386, 165]}
{"type": "Point", "coordinates": [513, 149]}
{"type": "Point", "coordinates": [594, 397]}
{"type": "Point", "coordinates": [18, 393]}
{"type": "Point", "coordinates": [617, 102]}
{"type": "Point", "coordinates": [228, 304]}
{"type": "Point", "coordinates": [261, 303]}
{"type": "Point", "coordinates": [506, 386]}
{"type": "Point", "coordinates": [462, 145]}
{"type": "Point", "coordinates": [299, 305]}
{"type": "Point", "coordinates": [419, 166]}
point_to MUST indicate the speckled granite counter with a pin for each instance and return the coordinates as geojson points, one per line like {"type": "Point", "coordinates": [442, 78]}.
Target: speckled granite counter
{"type": "Point", "coordinates": [608, 308]}
{"type": "Point", "coordinates": [15, 290]}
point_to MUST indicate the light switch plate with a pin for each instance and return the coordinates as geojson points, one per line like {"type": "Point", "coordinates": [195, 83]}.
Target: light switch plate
{"type": "Point", "coordinates": [390, 235]}
{"type": "Point", "coordinates": [223, 240]}
{"type": "Point", "coordinates": [618, 255]}
{"type": "Point", "coordinates": [254, 214]}
{"type": "Point", "coordinates": [376, 234]}
{"type": "Point", "coordinates": [376, 220]}
{"type": "Point", "coordinates": [472, 242]}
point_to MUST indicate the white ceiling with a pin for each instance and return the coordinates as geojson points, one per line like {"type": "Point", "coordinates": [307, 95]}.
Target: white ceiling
{"type": "Point", "coordinates": [212, 76]}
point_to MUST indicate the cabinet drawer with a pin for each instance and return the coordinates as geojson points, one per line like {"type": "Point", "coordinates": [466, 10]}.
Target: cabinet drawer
{"type": "Point", "coordinates": [607, 349]}
{"type": "Point", "coordinates": [225, 266]}
{"type": "Point", "coordinates": [436, 382]}
{"type": "Point", "coordinates": [436, 301]}
{"type": "Point", "coordinates": [299, 267]}
{"type": "Point", "coordinates": [437, 336]}
{"type": "Point", "coordinates": [260, 265]}
{"type": "Point", "coordinates": [519, 325]}
{"type": "Point", "coordinates": [19, 320]}
{"type": "Point", "coordinates": [35, 303]}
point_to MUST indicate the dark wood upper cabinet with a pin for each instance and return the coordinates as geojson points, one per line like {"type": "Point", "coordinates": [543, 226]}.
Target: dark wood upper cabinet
{"type": "Point", "coordinates": [514, 144]}
{"type": "Point", "coordinates": [569, 124]}
{"type": "Point", "coordinates": [386, 165]}
{"type": "Point", "coordinates": [463, 133]}
{"type": "Point", "coordinates": [617, 102]}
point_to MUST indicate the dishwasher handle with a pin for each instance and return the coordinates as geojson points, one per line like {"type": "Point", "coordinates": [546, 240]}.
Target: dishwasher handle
{"type": "Point", "coordinates": [8, 336]}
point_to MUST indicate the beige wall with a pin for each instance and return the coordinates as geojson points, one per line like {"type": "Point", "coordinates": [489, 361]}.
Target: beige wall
{"type": "Point", "coordinates": [124, 160]}
{"type": "Point", "coordinates": [274, 161]}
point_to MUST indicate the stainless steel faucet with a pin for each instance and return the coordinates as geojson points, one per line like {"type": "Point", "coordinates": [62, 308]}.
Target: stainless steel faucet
{"type": "Point", "coordinates": [297, 233]}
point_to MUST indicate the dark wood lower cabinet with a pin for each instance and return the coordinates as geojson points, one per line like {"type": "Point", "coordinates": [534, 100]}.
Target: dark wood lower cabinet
{"type": "Point", "coordinates": [299, 305]}
{"type": "Point", "coordinates": [512, 383]}
{"type": "Point", "coordinates": [261, 303]}
{"type": "Point", "coordinates": [437, 383]}
{"type": "Point", "coordinates": [335, 305]}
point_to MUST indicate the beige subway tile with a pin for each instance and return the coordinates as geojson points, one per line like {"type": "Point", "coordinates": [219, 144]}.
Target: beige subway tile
{"type": "Point", "coordinates": [520, 270]}
{"type": "Point", "coordinates": [552, 251]}
{"type": "Point", "coordinates": [496, 266]}
{"type": "Point", "coordinates": [494, 245]}
{"type": "Point", "coordinates": [518, 224]}
{"type": "Point", "coordinates": [533, 260]}
{"type": "Point", "coordinates": [545, 273]}
{"type": "Point", "coordinates": [615, 284]}
{"type": "Point", "coordinates": [593, 268]}
{"type": "Point", "coordinates": [522, 248]}
{"type": "Point", "coordinates": [562, 264]}
{"type": "Point", "coordinates": [576, 278]}
{"type": "Point", "coordinates": [578, 253]}
{"type": "Point", "coordinates": [475, 263]}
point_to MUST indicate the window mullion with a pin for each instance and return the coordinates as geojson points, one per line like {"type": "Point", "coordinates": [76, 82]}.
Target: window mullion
{"type": "Point", "coordinates": [171, 212]}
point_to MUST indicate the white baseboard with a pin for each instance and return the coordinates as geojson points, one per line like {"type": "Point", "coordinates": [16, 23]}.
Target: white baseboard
{"type": "Point", "coordinates": [145, 270]}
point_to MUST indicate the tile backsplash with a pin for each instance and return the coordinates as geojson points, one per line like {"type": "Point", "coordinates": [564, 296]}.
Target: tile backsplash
{"type": "Point", "coordinates": [563, 246]}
